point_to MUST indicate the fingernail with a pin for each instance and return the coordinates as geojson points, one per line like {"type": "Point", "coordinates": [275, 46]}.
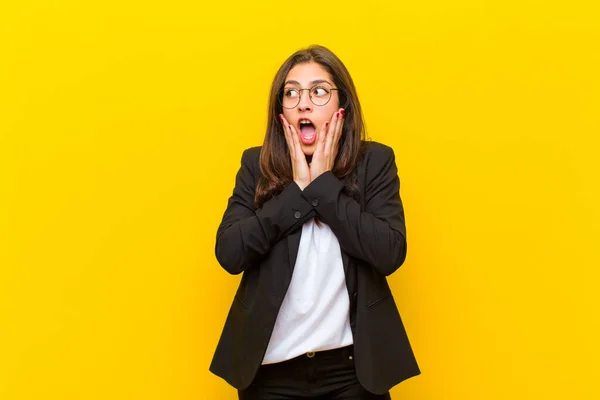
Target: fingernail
{"type": "Point", "coordinates": [337, 114]}
{"type": "Point", "coordinates": [326, 123]}
{"type": "Point", "coordinates": [343, 112]}
{"type": "Point", "coordinates": [280, 117]}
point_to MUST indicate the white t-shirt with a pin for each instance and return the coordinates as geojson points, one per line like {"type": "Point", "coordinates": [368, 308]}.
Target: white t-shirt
{"type": "Point", "coordinates": [315, 313]}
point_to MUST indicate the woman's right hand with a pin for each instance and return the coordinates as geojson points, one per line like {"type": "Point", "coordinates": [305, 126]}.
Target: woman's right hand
{"type": "Point", "coordinates": [300, 167]}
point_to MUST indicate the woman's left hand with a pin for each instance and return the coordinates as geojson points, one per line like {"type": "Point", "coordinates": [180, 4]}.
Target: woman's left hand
{"type": "Point", "coordinates": [327, 146]}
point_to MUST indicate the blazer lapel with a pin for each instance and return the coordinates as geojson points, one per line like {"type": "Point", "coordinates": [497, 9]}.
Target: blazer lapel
{"type": "Point", "coordinates": [293, 245]}
{"type": "Point", "coordinates": [345, 260]}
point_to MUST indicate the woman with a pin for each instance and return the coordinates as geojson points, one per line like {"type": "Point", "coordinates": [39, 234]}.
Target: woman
{"type": "Point", "coordinates": [315, 223]}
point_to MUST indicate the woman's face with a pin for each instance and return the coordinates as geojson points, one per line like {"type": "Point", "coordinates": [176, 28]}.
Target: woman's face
{"type": "Point", "coordinates": [313, 117]}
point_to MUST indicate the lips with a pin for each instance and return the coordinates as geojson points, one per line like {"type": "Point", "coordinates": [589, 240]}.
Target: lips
{"type": "Point", "coordinates": [308, 131]}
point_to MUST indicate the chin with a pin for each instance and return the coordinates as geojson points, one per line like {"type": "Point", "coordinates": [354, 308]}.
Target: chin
{"type": "Point", "coordinates": [308, 150]}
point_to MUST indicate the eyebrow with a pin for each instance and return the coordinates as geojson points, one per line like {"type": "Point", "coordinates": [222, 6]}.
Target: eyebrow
{"type": "Point", "coordinates": [311, 83]}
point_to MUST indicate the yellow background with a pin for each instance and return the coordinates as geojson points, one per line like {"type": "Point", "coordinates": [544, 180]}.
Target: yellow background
{"type": "Point", "coordinates": [121, 129]}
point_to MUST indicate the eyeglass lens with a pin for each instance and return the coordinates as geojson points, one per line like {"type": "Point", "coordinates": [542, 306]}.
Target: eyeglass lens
{"type": "Point", "coordinates": [319, 95]}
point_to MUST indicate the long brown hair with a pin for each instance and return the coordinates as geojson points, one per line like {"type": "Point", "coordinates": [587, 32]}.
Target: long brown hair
{"type": "Point", "coordinates": [275, 162]}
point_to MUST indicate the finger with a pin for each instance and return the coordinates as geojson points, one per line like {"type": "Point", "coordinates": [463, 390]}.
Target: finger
{"type": "Point", "coordinates": [293, 137]}
{"type": "Point", "coordinates": [339, 127]}
{"type": "Point", "coordinates": [287, 134]}
{"type": "Point", "coordinates": [333, 138]}
{"type": "Point", "coordinates": [322, 136]}
{"type": "Point", "coordinates": [292, 133]}
{"type": "Point", "coordinates": [300, 160]}
{"type": "Point", "coordinates": [295, 140]}
{"type": "Point", "coordinates": [331, 132]}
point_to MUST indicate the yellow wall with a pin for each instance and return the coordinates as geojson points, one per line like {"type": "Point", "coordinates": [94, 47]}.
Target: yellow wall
{"type": "Point", "coordinates": [121, 128]}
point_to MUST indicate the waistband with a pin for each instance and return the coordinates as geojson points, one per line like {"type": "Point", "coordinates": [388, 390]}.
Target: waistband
{"type": "Point", "coordinates": [346, 352]}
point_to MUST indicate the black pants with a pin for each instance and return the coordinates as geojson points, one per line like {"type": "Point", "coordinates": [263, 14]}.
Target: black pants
{"type": "Point", "coordinates": [324, 375]}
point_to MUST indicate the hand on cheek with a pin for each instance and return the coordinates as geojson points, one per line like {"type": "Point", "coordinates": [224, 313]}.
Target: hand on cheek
{"type": "Point", "coordinates": [301, 172]}
{"type": "Point", "coordinates": [327, 145]}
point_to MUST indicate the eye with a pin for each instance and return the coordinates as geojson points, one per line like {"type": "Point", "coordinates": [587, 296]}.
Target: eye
{"type": "Point", "coordinates": [320, 91]}
{"type": "Point", "coordinates": [291, 93]}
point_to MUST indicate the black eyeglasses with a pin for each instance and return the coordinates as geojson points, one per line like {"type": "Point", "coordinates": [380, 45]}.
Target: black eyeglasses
{"type": "Point", "coordinates": [319, 95]}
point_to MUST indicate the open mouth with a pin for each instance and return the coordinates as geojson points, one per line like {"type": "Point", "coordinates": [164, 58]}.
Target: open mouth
{"type": "Point", "coordinates": [308, 131]}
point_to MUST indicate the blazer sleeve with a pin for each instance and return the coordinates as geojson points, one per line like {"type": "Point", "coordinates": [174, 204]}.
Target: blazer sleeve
{"type": "Point", "coordinates": [377, 234]}
{"type": "Point", "coordinates": [245, 235]}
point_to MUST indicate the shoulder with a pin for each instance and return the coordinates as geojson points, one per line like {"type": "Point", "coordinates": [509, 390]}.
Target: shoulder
{"type": "Point", "coordinates": [376, 149]}
{"type": "Point", "coordinates": [377, 156]}
{"type": "Point", "coordinates": [251, 157]}
{"type": "Point", "coordinates": [251, 154]}
{"type": "Point", "coordinates": [251, 161]}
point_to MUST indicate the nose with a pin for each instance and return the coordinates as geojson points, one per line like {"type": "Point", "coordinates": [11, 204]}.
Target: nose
{"type": "Point", "coordinates": [305, 103]}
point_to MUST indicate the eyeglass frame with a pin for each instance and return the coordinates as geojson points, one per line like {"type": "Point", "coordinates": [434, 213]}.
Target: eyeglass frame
{"type": "Point", "coordinates": [309, 96]}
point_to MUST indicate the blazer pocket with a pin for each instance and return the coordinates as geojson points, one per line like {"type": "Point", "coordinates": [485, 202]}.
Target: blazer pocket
{"type": "Point", "coordinates": [247, 288]}
{"type": "Point", "coordinates": [378, 301]}
{"type": "Point", "coordinates": [241, 302]}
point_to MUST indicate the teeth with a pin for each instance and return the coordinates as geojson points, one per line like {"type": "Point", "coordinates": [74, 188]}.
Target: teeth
{"type": "Point", "coordinates": [304, 122]}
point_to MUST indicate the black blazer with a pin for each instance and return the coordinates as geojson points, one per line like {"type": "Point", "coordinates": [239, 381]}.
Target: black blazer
{"type": "Point", "coordinates": [263, 244]}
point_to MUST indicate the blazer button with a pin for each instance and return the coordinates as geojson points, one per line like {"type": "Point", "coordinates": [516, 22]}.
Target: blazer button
{"type": "Point", "coordinates": [315, 202]}
{"type": "Point", "coordinates": [297, 214]}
